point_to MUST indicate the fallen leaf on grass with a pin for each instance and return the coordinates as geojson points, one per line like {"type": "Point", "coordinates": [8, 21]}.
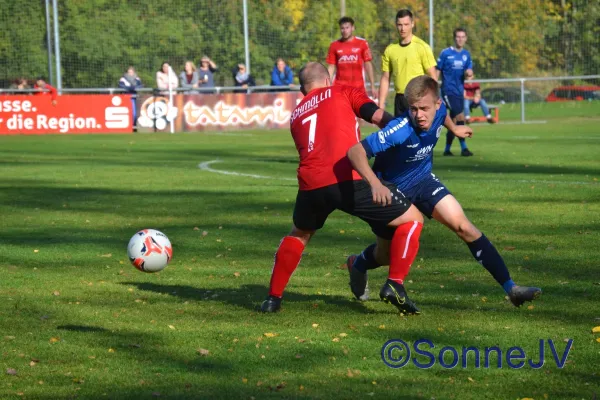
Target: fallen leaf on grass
{"type": "Point", "coordinates": [54, 340]}
{"type": "Point", "coordinates": [171, 327]}
{"type": "Point", "coordinates": [244, 380]}
{"type": "Point", "coordinates": [111, 350]}
{"type": "Point", "coordinates": [530, 307]}
{"type": "Point", "coordinates": [9, 338]}
{"type": "Point", "coordinates": [343, 334]}
{"type": "Point", "coordinates": [596, 329]}
{"type": "Point", "coordinates": [299, 356]}
{"type": "Point", "coordinates": [56, 293]}
{"type": "Point", "coordinates": [269, 334]}
{"type": "Point", "coordinates": [335, 339]}
{"type": "Point", "coordinates": [203, 352]}
{"type": "Point", "coordinates": [598, 340]}
{"type": "Point", "coordinates": [470, 379]}
{"type": "Point", "coordinates": [196, 228]}
{"type": "Point", "coordinates": [509, 248]}
{"type": "Point", "coordinates": [236, 274]}
{"type": "Point", "coordinates": [107, 255]}
{"type": "Point", "coordinates": [11, 371]}
{"type": "Point", "coordinates": [315, 325]}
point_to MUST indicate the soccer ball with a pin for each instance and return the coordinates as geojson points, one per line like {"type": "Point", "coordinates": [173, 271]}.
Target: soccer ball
{"type": "Point", "coordinates": [150, 250]}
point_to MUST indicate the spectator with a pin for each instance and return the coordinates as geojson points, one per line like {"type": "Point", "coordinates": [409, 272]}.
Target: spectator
{"type": "Point", "coordinates": [206, 71]}
{"type": "Point", "coordinates": [404, 60]}
{"type": "Point", "coordinates": [20, 84]}
{"type": "Point", "coordinates": [473, 99]}
{"type": "Point", "coordinates": [189, 77]}
{"type": "Point", "coordinates": [44, 88]}
{"type": "Point", "coordinates": [242, 78]}
{"type": "Point", "coordinates": [164, 76]}
{"type": "Point", "coordinates": [130, 83]}
{"type": "Point", "coordinates": [282, 74]}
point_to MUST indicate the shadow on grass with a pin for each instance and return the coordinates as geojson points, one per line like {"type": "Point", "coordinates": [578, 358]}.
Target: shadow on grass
{"type": "Point", "coordinates": [247, 296]}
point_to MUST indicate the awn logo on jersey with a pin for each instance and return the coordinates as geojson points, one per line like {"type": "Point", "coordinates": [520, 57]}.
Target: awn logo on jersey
{"type": "Point", "coordinates": [348, 59]}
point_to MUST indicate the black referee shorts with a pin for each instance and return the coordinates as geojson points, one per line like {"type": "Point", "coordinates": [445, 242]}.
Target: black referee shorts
{"type": "Point", "coordinates": [400, 105]}
{"type": "Point", "coordinates": [353, 197]}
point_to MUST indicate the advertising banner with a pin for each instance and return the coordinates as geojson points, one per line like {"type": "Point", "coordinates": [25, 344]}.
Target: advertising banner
{"type": "Point", "coordinates": [82, 113]}
{"type": "Point", "coordinates": [214, 112]}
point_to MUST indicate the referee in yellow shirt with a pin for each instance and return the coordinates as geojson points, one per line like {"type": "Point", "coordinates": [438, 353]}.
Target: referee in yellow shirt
{"type": "Point", "coordinates": [408, 58]}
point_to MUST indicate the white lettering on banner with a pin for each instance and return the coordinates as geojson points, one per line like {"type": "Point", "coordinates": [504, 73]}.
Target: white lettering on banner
{"type": "Point", "coordinates": [64, 124]}
{"type": "Point", "coordinates": [116, 117]}
{"type": "Point", "coordinates": [16, 106]}
{"type": "Point", "coordinates": [225, 115]}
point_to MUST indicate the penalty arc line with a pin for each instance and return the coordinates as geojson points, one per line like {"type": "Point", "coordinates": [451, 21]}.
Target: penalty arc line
{"type": "Point", "coordinates": [206, 166]}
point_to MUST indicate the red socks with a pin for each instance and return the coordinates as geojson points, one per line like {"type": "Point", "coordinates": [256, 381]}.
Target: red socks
{"type": "Point", "coordinates": [404, 248]}
{"type": "Point", "coordinates": [287, 259]}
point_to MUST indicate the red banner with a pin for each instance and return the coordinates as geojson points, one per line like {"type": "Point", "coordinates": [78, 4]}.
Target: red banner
{"type": "Point", "coordinates": [213, 112]}
{"type": "Point", "coordinates": [71, 114]}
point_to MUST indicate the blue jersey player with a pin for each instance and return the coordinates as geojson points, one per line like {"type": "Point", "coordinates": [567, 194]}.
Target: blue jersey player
{"type": "Point", "coordinates": [403, 153]}
{"type": "Point", "coordinates": [453, 65]}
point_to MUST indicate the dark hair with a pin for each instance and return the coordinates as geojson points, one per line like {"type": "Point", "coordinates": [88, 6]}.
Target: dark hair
{"type": "Point", "coordinates": [419, 87]}
{"type": "Point", "coordinates": [344, 20]}
{"type": "Point", "coordinates": [404, 13]}
{"type": "Point", "coordinates": [161, 65]}
{"type": "Point", "coordinates": [459, 30]}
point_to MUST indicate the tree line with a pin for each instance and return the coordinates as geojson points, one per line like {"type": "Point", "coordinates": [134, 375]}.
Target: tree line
{"type": "Point", "coordinates": [99, 39]}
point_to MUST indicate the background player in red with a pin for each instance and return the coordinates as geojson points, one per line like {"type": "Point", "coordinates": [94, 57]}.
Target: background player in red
{"type": "Point", "coordinates": [324, 127]}
{"type": "Point", "coordinates": [346, 57]}
{"type": "Point", "coordinates": [45, 88]}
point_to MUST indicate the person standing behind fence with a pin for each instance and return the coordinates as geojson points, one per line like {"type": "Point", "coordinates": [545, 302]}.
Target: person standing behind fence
{"type": "Point", "coordinates": [454, 63]}
{"type": "Point", "coordinates": [347, 56]}
{"type": "Point", "coordinates": [282, 75]}
{"type": "Point", "coordinates": [189, 78]}
{"type": "Point", "coordinates": [44, 88]}
{"type": "Point", "coordinates": [164, 76]}
{"type": "Point", "coordinates": [206, 71]}
{"type": "Point", "coordinates": [404, 60]}
{"type": "Point", "coordinates": [473, 99]}
{"type": "Point", "coordinates": [20, 84]}
{"type": "Point", "coordinates": [242, 78]}
{"type": "Point", "coordinates": [130, 83]}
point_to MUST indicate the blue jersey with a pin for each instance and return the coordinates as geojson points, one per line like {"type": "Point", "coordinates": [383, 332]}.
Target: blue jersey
{"type": "Point", "coordinates": [404, 153]}
{"type": "Point", "coordinates": [453, 64]}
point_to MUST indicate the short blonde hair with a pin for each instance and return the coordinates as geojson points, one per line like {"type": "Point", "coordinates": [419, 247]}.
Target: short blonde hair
{"type": "Point", "coordinates": [419, 87]}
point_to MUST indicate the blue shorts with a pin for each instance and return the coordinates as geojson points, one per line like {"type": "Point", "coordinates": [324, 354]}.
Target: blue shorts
{"type": "Point", "coordinates": [456, 104]}
{"type": "Point", "coordinates": [427, 194]}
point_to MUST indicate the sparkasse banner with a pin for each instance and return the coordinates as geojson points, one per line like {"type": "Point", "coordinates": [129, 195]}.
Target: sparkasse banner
{"type": "Point", "coordinates": [35, 114]}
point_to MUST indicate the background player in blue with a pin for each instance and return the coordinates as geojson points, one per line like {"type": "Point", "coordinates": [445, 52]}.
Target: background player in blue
{"type": "Point", "coordinates": [453, 64]}
{"type": "Point", "coordinates": [404, 156]}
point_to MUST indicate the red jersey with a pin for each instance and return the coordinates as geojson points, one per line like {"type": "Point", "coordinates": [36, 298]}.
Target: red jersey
{"type": "Point", "coordinates": [349, 57]}
{"type": "Point", "coordinates": [48, 90]}
{"type": "Point", "coordinates": [324, 127]}
{"type": "Point", "coordinates": [470, 89]}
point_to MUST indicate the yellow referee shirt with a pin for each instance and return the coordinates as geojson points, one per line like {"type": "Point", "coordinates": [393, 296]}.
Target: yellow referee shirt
{"type": "Point", "coordinates": [405, 62]}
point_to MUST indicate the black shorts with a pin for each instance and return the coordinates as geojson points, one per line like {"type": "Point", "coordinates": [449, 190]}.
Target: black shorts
{"type": "Point", "coordinates": [353, 197]}
{"type": "Point", "coordinates": [400, 105]}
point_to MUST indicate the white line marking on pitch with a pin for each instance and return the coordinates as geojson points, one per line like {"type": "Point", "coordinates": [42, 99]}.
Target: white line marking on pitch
{"type": "Point", "coordinates": [206, 166]}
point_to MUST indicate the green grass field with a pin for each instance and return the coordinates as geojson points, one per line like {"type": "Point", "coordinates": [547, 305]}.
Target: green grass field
{"type": "Point", "coordinates": [77, 320]}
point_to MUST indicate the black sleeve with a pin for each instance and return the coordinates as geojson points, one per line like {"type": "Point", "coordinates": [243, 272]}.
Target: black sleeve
{"type": "Point", "coordinates": [368, 109]}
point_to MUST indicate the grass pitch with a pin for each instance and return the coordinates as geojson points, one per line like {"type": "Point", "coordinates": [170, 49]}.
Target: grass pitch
{"type": "Point", "coordinates": [77, 320]}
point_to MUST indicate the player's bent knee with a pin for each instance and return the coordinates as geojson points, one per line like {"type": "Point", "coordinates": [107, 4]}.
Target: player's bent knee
{"type": "Point", "coordinates": [300, 234]}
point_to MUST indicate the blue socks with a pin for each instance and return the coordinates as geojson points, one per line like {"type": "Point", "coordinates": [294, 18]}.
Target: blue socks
{"type": "Point", "coordinates": [463, 142]}
{"type": "Point", "coordinates": [486, 254]}
{"type": "Point", "coordinates": [366, 260]}
{"type": "Point", "coordinates": [449, 139]}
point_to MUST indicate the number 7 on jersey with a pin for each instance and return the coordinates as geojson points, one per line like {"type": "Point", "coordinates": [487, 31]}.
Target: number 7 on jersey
{"type": "Point", "coordinates": [311, 130]}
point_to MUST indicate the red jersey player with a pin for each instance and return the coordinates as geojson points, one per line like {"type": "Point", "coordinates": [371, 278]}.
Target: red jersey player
{"type": "Point", "coordinates": [324, 127]}
{"type": "Point", "coordinates": [346, 58]}
{"type": "Point", "coordinates": [46, 88]}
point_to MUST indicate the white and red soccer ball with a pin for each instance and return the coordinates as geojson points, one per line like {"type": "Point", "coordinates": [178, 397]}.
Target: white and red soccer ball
{"type": "Point", "coordinates": [150, 250]}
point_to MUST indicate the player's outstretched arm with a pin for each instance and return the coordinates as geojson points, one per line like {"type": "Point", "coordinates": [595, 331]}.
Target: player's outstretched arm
{"type": "Point", "coordinates": [461, 131]}
{"type": "Point", "coordinates": [358, 157]}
